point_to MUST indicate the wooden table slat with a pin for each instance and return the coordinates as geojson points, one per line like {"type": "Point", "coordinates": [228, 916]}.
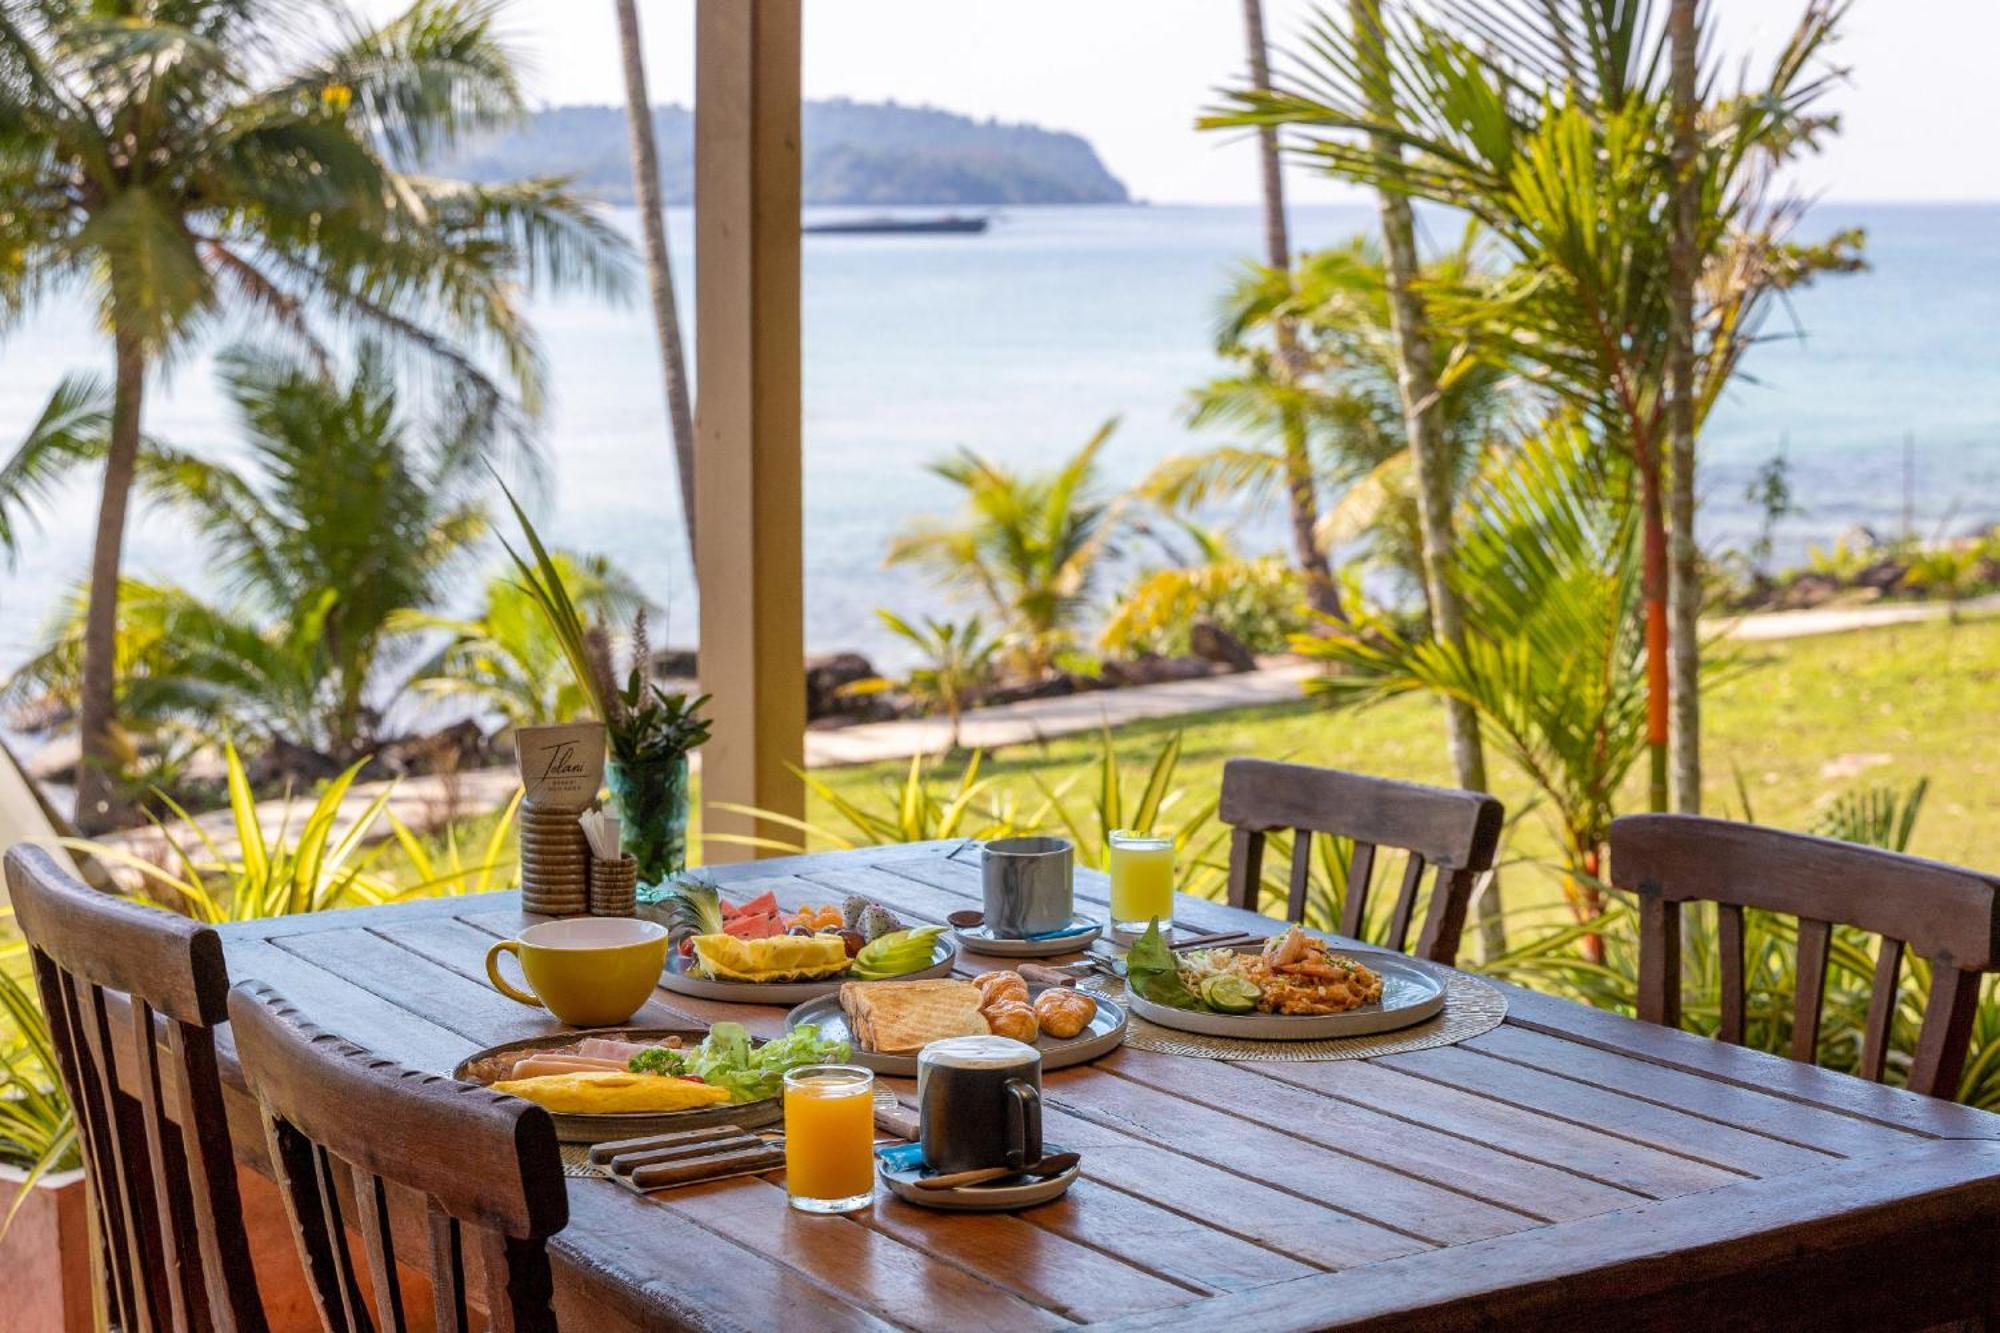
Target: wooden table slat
{"type": "Point", "coordinates": [1506, 1180]}
{"type": "Point", "coordinates": [1566, 1101]}
{"type": "Point", "coordinates": [1639, 1167]}
{"type": "Point", "coordinates": [1808, 1126]}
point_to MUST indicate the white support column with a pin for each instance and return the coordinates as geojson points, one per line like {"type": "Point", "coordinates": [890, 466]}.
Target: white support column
{"type": "Point", "coordinates": [747, 464]}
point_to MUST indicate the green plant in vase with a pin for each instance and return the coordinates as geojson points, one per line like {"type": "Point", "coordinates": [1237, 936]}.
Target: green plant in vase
{"type": "Point", "coordinates": [650, 733]}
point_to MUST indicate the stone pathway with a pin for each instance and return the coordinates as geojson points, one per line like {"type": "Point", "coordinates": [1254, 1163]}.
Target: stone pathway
{"type": "Point", "coordinates": [1769, 625]}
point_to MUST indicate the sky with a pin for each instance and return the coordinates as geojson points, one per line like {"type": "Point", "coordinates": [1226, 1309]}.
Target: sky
{"type": "Point", "coordinates": [1131, 75]}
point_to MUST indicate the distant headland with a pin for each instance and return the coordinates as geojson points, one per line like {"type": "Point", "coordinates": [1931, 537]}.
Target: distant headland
{"type": "Point", "coordinates": [877, 153]}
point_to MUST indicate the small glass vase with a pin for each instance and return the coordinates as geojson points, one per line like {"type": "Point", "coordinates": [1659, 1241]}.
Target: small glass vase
{"type": "Point", "coordinates": [651, 801]}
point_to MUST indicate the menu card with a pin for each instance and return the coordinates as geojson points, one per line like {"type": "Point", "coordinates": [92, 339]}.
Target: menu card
{"type": "Point", "coordinates": [561, 766]}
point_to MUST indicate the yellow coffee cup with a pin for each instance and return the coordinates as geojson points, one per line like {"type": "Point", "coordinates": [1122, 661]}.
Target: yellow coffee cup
{"type": "Point", "coordinates": [588, 971]}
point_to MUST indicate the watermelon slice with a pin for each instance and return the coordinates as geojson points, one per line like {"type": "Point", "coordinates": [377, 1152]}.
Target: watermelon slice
{"type": "Point", "coordinates": [754, 925]}
{"type": "Point", "coordinates": [764, 904]}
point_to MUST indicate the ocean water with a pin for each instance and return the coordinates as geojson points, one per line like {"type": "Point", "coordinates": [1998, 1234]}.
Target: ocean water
{"type": "Point", "coordinates": [1021, 342]}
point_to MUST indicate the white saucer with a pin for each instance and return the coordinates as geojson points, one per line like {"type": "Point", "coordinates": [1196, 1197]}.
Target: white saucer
{"type": "Point", "coordinates": [998, 1197]}
{"type": "Point", "coordinates": [981, 940]}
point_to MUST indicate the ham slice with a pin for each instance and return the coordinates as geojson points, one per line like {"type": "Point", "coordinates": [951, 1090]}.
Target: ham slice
{"type": "Point", "coordinates": [535, 1066]}
{"type": "Point", "coordinates": [610, 1048]}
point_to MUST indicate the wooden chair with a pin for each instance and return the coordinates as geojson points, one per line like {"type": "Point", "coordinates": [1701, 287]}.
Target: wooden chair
{"type": "Point", "coordinates": [487, 1164]}
{"type": "Point", "coordinates": [163, 1180]}
{"type": "Point", "coordinates": [1457, 832]}
{"type": "Point", "coordinates": [1947, 915]}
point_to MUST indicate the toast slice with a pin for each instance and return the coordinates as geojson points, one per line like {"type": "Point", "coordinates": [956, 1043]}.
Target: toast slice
{"type": "Point", "coordinates": [902, 1017]}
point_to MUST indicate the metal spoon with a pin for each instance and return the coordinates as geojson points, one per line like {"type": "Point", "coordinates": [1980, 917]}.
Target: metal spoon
{"type": "Point", "coordinates": [1053, 1165]}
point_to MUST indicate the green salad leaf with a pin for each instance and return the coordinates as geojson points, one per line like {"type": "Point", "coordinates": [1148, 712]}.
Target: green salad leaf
{"type": "Point", "coordinates": [1150, 970]}
{"type": "Point", "coordinates": [728, 1059]}
{"type": "Point", "coordinates": [659, 1060]}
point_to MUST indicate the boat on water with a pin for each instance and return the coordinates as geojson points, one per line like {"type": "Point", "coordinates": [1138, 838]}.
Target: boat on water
{"type": "Point", "coordinates": [950, 224]}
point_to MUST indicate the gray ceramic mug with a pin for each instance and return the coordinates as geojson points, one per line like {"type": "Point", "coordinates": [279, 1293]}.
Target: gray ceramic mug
{"type": "Point", "coordinates": [1027, 883]}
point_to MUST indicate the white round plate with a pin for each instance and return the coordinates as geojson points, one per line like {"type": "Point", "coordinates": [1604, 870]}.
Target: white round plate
{"type": "Point", "coordinates": [1410, 994]}
{"type": "Point", "coordinates": [675, 977]}
{"type": "Point", "coordinates": [1104, 1035]}
{"type": "Point", "coordinates": [979, 940]}
{"type": "Point", "coordinates": [997, 1197]}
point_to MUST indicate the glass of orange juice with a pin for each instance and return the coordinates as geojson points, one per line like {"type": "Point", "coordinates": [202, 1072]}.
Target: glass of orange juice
{"type": "Point", "coordinates": [830, 1138]}
{"type": "Point", "coordinates": [1142, 882]}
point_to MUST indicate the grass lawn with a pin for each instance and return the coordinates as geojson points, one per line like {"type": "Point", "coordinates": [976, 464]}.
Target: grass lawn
{"type": "Point", "coordinates": [1798, 721]}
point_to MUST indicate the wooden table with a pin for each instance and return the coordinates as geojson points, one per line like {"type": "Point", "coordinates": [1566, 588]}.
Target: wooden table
{"type": "Point", "coordinates": [1570, 1168]}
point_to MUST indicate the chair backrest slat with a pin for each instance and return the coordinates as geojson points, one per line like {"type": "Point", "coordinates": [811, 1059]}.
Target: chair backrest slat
{"type": "Point", "coordinates": [182, 1264]}
{"type": "Point", "coordinates": [484, 1161]}
{"type": "Point", "coordinates": [1949, 1011]}
{"type": "Point", "coordinates": [1729, 948]}
{"type": "Point", "coordinates": [1814, 943]}
{"type": "Point", "coordinates": [1301, 882]}
{"type": "Point", "coordinates": [1947, 915]}
{"type": "Point", "coordinates": [371, 1201]}
{"type": "Point", "coordinates": [122, 982]}
{"type": "Point", "coordinates": [1455, 832]}
{"type": "Point", "coordinates": [325, 1179]}
{"type": "Point", "coordinates": [448, 1273]}
{"type": "Point", "coordinates": [1406, 902]}
{"type": "Point", "coordinates": [1360, 877]}
{"type": "Point", "coordinates": [1876, 1035]}
{"type": "Point", "coordinates": [94, 1140]}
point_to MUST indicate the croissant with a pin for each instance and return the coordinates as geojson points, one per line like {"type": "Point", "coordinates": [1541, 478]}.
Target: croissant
{"type": "Point", "coordinates": [1064, 1012]}
{"type": "Point", "coordinates": [997, 986]}
{"type": "Point", "coordinates": [1012, 1018]}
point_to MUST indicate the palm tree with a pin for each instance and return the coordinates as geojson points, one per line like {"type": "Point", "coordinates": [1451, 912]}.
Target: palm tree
{"type": "Point", "coordinates": [1026, 545]}
{"type": "Point", "coordinates": [1300, 492]}
{"type": "Point", "coordinates": [659, 267]}
{"type": "Point", "coordinates": [196, 159]}
{"type": "Point", "coordinates": [1551, 661]}
{"type": "Point", "coordinates": [1429, 462]}
{"type": "Point", "coordinates": [1684, 570]}
{"type": "Point", "coordinates": [1348, 399]}
{"type": "Point", "coordinates": [70, 430]}
{"type": "Point", "coordinates": [351, 514]}
{"type": "Point", "coordinates": [1548, 122]}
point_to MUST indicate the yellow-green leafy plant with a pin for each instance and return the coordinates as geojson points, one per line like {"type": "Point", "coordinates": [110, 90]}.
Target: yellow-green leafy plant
{"type": "Point", "coordinates": [273, 872]}
{"type": "Point", "coordinates": [914, 809]}
{"type": "Point", "coordinates": [37, 1129]}
{"type": "Point", "coordinates": [1094, 801]}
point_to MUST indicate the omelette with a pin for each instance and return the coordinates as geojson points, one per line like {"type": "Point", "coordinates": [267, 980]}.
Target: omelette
{"type": "Point", "coordinates": [610, 1091]}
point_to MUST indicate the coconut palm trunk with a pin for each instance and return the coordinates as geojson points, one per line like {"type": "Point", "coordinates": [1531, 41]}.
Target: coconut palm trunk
{"type": "Point", "coordinates": [659, 270]}
{"type": "Point", "coordinates": [1429, 455]}
{"type": "Point", "coordinates": [1684, 572]}
{"type": "Point", "coordinates": [1301, 493]}
{"type": "Point", "coordinates": [98, 800]}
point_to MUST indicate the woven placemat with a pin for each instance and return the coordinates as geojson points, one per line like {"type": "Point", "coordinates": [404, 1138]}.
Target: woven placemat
{"type": "Point", "coordinates": [1471, 1007]}
{"type": "Point", "coordinates": [576, 1163]}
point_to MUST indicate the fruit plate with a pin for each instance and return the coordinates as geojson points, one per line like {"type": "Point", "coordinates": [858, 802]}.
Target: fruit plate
{"type": "Point", "coordinates": [678, 978]}
{"type": "Point", "coordinates": [573, 1128]}
{"type": "Point", "coordinates": [1105, 1034]}
{"type": "Point", "coordinates": [1410, 995]}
